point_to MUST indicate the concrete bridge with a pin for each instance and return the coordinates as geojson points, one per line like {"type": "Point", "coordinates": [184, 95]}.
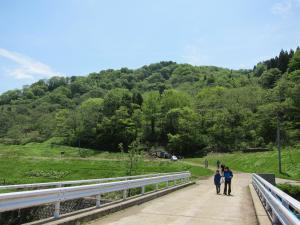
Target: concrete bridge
{"type": "Point", "coordinates": [196, 204]}
{"type": "Point", "coordinates": [253, 201]}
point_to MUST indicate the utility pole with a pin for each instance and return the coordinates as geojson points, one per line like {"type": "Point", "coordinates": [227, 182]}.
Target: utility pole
{"type": "Point", "coordinates": [279, 117]}
{"type": "Point", "coordinates": [279, 144]}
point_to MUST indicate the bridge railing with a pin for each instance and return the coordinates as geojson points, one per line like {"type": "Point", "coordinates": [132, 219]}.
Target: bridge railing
{"type": "Point", "coordinates": [282, 208]}
{"type": "Point", "coordinates": [78, 182]}
{"type": "Point", "coordinates": [25, 199]}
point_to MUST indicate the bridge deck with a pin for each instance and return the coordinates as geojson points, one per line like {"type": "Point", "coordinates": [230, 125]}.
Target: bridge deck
{"type": "Point", "coordinates": [197, 204]}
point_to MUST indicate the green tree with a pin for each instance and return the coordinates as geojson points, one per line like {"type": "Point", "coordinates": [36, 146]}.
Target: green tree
{"type": "Point", "coordinates": [268, 78]}
{"type": "Point", "coordinates": [185, 138]}
{"type": "Point", "coordinates": [174, 99]}
{"type": "Point", "coordinates": [116, 98]}
{"type": "Point", "coordinates": [89, 114]}
{"type": "Point", "coordinates": [135, 157]}
{"type": "Point", "coordinates": [294, 63]}
{"type": "Point", "coordinates": [152, 110]}
{"type": "Point", "coordinates": [259, 69]}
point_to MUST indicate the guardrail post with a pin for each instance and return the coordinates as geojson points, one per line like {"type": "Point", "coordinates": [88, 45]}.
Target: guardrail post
{"type": "Point", "coordinates": [264, 201]}
{"type": "Point", "coordinates": [167, 184]}
{"type": "Point", "coordinates": [268, 207]}
{"type": "Point", "coordinates": [124, 194]}
{"type": "Point", "coordinates": [274, 218]}
{"type": "Point", "coordinates": [57, 205]}
{"type": "Point", "coordinates": [143, 190]}
{"type": "Point", "coordinates": [175, 182]}
{"type": "Point", "coordinates": [56, 210]}
{"type": "Point", "coordinates": [98, 203]}
{"type": "Point", "coordinates": [259, 194]}
{"type": "Point", "coordinates": [156, 186]}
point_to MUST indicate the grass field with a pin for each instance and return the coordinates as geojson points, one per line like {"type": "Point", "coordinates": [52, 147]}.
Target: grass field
{"type": "Point", "coordinates": [258, 162]}
{"type": "Point", "coordinates": [42, 163]}
{"type": "Point", "coordinates": [54, 151]}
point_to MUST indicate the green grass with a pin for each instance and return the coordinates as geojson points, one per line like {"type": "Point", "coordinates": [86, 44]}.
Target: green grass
{"type": "Point", "coordinates": [42, 163]}
{"type": "Point", "coordinates": [54, 151]}
{"type": "Point", "coordinates": [264, 162]}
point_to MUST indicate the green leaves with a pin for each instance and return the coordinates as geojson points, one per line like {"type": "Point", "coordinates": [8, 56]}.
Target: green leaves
{"type": "Point", "coordinates": [294, 63]}
{"type": "Point", "coordinates": [268, 78]}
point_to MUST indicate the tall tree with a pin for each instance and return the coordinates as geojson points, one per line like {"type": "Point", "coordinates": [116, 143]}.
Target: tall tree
{"type": "Point", "coordinates": [152, 111]}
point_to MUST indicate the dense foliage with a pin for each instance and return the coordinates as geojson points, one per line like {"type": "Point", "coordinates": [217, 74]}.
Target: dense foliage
{"type": "Point", "coordinates": [188, 109]}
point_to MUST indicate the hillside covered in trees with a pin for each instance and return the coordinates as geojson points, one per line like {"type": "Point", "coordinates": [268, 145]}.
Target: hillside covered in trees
{"type": "Point", "coordinates": [188, 109]}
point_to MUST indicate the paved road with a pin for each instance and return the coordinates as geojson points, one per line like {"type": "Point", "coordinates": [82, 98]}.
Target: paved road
{"type": "Point", "coordinates": [286, 181]}
{"type": "Point", "coordinates": [197, 204]}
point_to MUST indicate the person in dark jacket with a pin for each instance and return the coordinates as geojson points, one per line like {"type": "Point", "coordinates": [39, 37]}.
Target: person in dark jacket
{"type": "Point", "coordinates": [222, 169]}
{"type": "Point", "coordinates": [217, 180]}
{"type": "Point", "coordinates": [228, 176]}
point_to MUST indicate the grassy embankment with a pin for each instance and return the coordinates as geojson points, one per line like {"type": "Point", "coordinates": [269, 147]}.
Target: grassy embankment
{"type": "Point", "coordinates": [291, 190]}
{"type": "Point", "coordinates": [41, 162]}
{"type": "Point", "coordinates": [260, 162]}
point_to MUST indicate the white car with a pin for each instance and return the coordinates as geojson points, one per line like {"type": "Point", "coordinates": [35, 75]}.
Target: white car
{"type": "Point", "coordinates": [174, 158]}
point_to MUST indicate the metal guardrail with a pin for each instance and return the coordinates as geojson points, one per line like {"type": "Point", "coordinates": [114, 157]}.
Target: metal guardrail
{"type": "Point", "coordinates": [77, 182]}
{"type": "Point", "coordinates": [25, 199]}
{"type": "Point", "coordinates": [282, 208]}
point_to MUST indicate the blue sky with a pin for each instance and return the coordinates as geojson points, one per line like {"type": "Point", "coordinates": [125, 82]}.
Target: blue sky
{"type": "Point", "coordinates": [40, 39]}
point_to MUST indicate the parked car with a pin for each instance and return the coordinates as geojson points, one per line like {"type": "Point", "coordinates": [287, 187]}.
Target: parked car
{"type": "Point", "coordinates": [174, 158]}
{"type": "Point", "coordinates": [161, 154]}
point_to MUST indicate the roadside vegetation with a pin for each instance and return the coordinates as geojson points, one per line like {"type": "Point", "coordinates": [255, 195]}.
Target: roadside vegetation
{"type": "Point", "coordinates": [291, 190]}
{"type": "Point", "coordinates": [259, 162]}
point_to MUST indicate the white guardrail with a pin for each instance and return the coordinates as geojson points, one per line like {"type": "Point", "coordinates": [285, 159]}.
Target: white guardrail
{"type": "Point", "coordinates": [77, 182]}
{"type": "Point", "coordinates": [282, 208]}
{"type": "Point", "coordinates": [25, 199]}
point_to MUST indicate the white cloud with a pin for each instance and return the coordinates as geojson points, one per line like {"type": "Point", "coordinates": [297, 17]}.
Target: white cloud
{"type": "Point", "coordinates": [282, 8]}
{"type": "Point", "coordinates": [27, 68]}
{"type": "Point", "coordinates": [285, 7]}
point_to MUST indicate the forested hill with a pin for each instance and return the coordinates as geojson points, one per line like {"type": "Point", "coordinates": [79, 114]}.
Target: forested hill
{"type": "Point", "coordinates": [188, 109]}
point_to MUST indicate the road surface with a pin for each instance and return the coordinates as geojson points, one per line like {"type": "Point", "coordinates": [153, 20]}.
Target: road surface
{"type": "Point", "coordinates": [197, 204]}
{"type": "Point", "coordinates": [286, 181]}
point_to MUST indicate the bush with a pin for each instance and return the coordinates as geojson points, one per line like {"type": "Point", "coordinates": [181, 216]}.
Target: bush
{"type": "Point", "coordinates": [83, 153]}
{"type": "Point", "coordinates": [291, 190]}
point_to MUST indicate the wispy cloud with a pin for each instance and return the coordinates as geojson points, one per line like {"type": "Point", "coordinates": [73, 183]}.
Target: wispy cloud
{"type": "Point", "coordinates": [282, 8]}
{"type": "Point", "coordinates": [27, 68]}
{"type": "Point", "coordinates": [285, 7]}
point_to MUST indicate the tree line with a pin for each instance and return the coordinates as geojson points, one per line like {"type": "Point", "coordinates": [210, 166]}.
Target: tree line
{"type": "Point", "coordinates": [187, 109]}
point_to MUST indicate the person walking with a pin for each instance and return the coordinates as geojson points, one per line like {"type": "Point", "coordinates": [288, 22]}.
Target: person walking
{"type": "Point", "coordinates": [228, 177]}
{"type": "Point", "coordinates": [206, 163]}
{"type": "Point", "coordinates": [218, 164]}
{"type": "Point", "coordinates": [217, 181]}
{"type": "Point", "coordinates": [222, 170]}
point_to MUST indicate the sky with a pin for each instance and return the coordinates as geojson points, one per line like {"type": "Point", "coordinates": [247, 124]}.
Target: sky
{"type": "Point", "coordinates": [41, 39]}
